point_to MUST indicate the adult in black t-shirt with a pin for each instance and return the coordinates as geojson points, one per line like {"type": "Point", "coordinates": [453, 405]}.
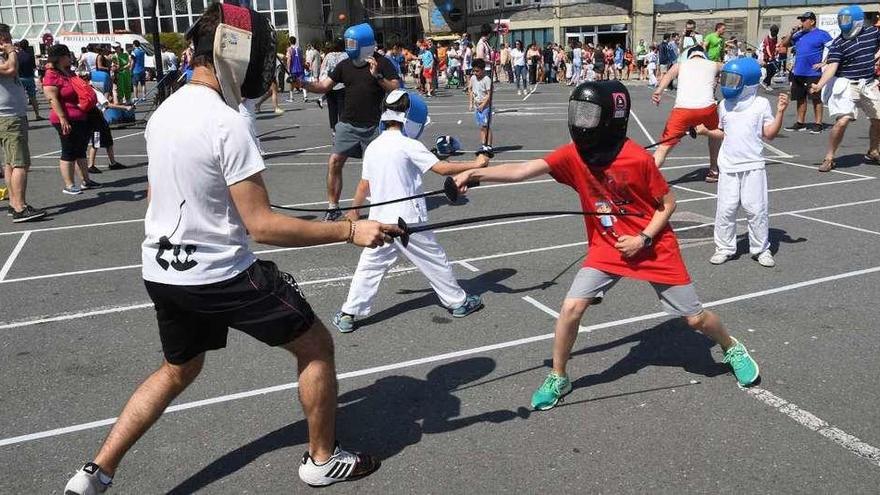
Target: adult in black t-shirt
{"type": "Point", "coordinates": [547, 55]}
{"type": "Point", "coordinates": [26, 69]}
{"type": "Point", "coordinates": [365, 88]}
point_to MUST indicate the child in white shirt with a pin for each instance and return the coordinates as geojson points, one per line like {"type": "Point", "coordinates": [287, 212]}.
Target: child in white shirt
{"type": "Point", "coordinates": [393, 168]}
{"type": "Point", "coordinates": [744, 123]}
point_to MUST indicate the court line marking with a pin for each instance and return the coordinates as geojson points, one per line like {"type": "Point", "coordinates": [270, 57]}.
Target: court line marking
{"type": "Point", "coordinates": [834, 170]}
{"type": "Point", "coordinates": [704, 193]}
{"type": "Point", "coordinates": [12, 256]}
{"type": "Point", "coordinates": [50, 153]}
{"type": "Point", "coordinates": [641, 125]}
{"type": "Point", "coordinates": [430, 359]}
{"type": "Point", "coordinates": [812, 422]}
{"type": "Point", "coordinates": [450, 229]}
{"type": "Point", "coordinates": [530, 93]}
{"type": "Point", "coordinates": [828, 222]}
{"type": "Point", "coordinates": [117, 309]}
{"type": "Point", "coordinates": [468, 266]}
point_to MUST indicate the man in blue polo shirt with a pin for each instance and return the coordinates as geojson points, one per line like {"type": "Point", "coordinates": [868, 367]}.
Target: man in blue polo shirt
{"type": "Point", "coordinates": [850, 82]}
{"type": "Point", "coordinates": [139, 70]}
{"type": "Point", "coordinates": [809, 44]}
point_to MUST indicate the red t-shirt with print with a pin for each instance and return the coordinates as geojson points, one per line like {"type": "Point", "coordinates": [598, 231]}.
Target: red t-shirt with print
{"type": "Point", "coordinates": [631, 183]}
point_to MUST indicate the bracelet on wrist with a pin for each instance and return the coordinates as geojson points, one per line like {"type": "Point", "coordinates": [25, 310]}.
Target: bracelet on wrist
{"type": "Point", "coordinates": [351, 231]}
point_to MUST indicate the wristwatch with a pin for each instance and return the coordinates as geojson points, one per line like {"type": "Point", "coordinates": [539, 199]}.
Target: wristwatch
{"type": "Point", "coordinates": [648, 239]}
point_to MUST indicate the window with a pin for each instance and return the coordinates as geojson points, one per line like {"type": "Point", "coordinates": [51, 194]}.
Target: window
{"type": "Point", "coordinates": [279, 4]}
{"type": "Point", "coordinates": [53, 28]}
{"type": "Point", "coordinates": [197, 6]}
{"type": "Point", "coordinates": [118, 25]}
{"type": "Point", "coordinates": [767, 21]}
{"type": "Point", "coordinates": [87, 27]}
{"type": "Point", "coordinates": [263, 5]}
{"type": "Point", "coordinates": [85, 12]}
{"type": "Point", "coordinates": [101, 10]}
{"type": "Point", "coordinates": [134, 25]}
{"type": "Point", "coordinates": [166, 25]}
{"type": "Point", "coordinates": [21, 15]}
{"type": "Point", "coordinates": [18, 31]}
{"type": "Point", "coordinates": [116, 10]}
{"type": "Point", "coordinates": [37, 2]}
{"type": "Point", "coordinates": [685, 5]}
{"type": "Point", "coordinates": [281, 20]}
{"type": "Point", "coordinates": [6, 3]}
{"type": "Point", "coordinates": [149, 25]}
{"type": "Point", "coordinates": [103, 26]}
{"type": "Point", "coordinates": [69, 12]}
{"type": "Point", "coordinates": [182, 23]}
{"type": "Point", "coordinates": [53, 13]}
{"type": "Point", "coordinates": [164, 8]}
{"type": "Point", "coordinates": [38, 14]}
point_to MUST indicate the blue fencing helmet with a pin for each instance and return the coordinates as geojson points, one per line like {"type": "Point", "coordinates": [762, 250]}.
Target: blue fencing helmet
{"type": "Point", "coordinates": [851, 19]}
{"type": "Point", "coordinates": [738, 74]}
{"type": "Point", "coordinates": [447, 145]}
{"type": "Point", "coordinates": [360, 43]}
{"type": "Point", "coordinates": [408, 108]}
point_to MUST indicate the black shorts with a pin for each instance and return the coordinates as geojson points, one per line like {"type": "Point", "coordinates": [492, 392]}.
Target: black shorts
{"type": "Point", "coordinates": [800, 88]}
{"type": "Point", "coordinates": [74, 144]}
{"type": "Point", "coordinates": [100, 136]}
{"type": "Point", "coordinates": [262, 302]}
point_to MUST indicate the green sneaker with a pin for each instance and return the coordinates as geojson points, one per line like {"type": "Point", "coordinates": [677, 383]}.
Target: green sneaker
{"type": "Point", "coordinates": [744, 367]}
{"type": "Point", "coordinates": [551, 391]}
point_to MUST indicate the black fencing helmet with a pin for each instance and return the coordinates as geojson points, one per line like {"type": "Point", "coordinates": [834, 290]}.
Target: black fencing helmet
{"type": "Point", "coordinates": [598, 114]}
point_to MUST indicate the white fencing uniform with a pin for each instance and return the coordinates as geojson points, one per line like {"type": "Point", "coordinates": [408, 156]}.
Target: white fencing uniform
{"type": "Point", "coordinates": [742, 180]}
{"type": "Point", "coordinates": [393, 165]}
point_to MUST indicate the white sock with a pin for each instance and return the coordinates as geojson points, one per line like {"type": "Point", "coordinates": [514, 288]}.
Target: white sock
{"type": "Point", "coordinates": [332, 206]}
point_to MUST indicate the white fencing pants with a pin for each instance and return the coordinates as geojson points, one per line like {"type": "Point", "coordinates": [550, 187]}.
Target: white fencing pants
{"type": "Point", "coordinates": [748, 189]}
{"type": "Point", "coordinates": [424, 252]}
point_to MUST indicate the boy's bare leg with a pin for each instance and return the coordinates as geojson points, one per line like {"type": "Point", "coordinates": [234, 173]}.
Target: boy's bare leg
{"type": "Point", "coordinates": [566, 332]}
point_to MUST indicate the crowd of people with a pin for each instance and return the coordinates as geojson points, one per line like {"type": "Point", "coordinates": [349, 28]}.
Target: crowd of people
{"type": "Point", "coordinates": [207, 211]}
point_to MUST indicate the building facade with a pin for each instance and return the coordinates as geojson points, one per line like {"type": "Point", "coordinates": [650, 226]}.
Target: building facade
{"type": "Point", "coordinates": [32, 18]}
{"type": "Point", "coordinates": [622, 21]}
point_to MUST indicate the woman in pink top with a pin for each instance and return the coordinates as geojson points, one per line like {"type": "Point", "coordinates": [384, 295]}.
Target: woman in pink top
{"type": "Point", "coordinates": [68, 119]}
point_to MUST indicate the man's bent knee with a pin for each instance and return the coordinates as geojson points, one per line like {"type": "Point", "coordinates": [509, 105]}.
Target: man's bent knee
{"type": "Point", "coordinates": [184, 374]}
{"type": "Point", "coordinates": [315, 343]}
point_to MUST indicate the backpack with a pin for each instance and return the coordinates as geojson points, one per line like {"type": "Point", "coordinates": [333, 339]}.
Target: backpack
{"type": "Point", "coordinates": [85, 94]}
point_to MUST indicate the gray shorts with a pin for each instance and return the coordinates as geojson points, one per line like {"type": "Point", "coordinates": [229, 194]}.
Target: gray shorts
{"type": "Point", "coordinates": [677, 300]}
{"type": "Point", "coordinates": [351, 141]}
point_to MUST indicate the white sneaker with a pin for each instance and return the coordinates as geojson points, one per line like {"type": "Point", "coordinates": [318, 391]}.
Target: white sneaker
{"type": "Point", "coordinates": [342, 466]}
{"type": "Point", "coordinates": [719, 258]}
{"type": "Point", "coordinates": [765, 259]}
{"type": "Point", "coordinates": [88, 481]}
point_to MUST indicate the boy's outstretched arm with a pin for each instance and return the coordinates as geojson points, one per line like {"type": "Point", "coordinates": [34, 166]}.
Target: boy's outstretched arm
{"type": "Point", "coordinates": [702, 130]}
{"type": "Point", "coordinates": [772, 129]}
{"type": "Point", "coordinates": [452, 168]}
{"type": "Point", "coordinates": [511, 172]}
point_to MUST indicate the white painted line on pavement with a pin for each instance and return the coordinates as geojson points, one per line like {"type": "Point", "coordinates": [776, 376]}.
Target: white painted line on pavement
{"type": "Point", "coordinates": [79, 226]}
{"type": "Point", "coordinates": [468, 266]}
{"type": "Point", "coordinates": [817, 424]}
{"type": "Point", "coordinates": [834, 170]}
{"type": "Point", "coordinates": [828, 222]}
{"type": "Point", "coordinates": [642, 126]}
{"type": "Point", "coordinates": [76, 316]}
{"type": "Point", "coordinates": [12, 256]}
{"type": "Point", "coordinates": [426, 360]}
{"type": "Point", "coordinates": [774, 149]}
{"type": "Point", "coordinates": [530, 93]}
{"type": "Point", "coordinates": [550, 311]}
{"type": "Point", "coordinates": [704, 193]}
{"type": "Point", "coordinates": [450, 229]}
{"type": "Point", "coordinates": [49, 154]}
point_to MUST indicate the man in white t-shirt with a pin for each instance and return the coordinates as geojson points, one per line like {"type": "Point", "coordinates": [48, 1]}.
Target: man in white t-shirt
{"type": "Point", "coordinates": [694, 105]}
{"type": "Point", "coordinates": [393, 168]}
{"type": "Point", "coordinates": [206, 198]}
{"type": "Point", "coordinates": [690, 37]}
{"type": "Point", "coordinates": [745, 122]}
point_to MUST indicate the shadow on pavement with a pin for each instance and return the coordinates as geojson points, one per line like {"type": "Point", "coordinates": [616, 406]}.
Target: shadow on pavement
{"type": "Point", "coordinates": [479, 285]}
{"type": "Point", "coordinates": [382, 419]}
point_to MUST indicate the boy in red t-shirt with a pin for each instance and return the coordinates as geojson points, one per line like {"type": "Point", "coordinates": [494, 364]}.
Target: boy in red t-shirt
{"type": "Point", "coordinates": [614, 175]}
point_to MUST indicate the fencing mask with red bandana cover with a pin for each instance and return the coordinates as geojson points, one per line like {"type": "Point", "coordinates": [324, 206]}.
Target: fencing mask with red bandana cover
{"type": "Point", "coordinates": [242, 49]}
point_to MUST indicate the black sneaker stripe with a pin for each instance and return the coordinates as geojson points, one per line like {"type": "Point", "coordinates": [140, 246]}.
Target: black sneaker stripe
{"type": "Point", "coordinates": [348, 469]}
{"type": "Point", "coordinates": [332, 470]}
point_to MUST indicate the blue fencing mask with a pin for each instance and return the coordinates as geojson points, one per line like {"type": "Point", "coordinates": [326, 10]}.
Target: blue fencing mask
{"type": "Point", "coordinates": [409, 109]}
{"type": "Point", "coordinates": [851, 20]}
{"type": "Point", "coordinates": [360, 43]}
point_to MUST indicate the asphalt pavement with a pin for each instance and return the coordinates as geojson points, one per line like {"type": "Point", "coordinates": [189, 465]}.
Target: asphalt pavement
{"type": "Point", "coordinates": [443, 401]}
